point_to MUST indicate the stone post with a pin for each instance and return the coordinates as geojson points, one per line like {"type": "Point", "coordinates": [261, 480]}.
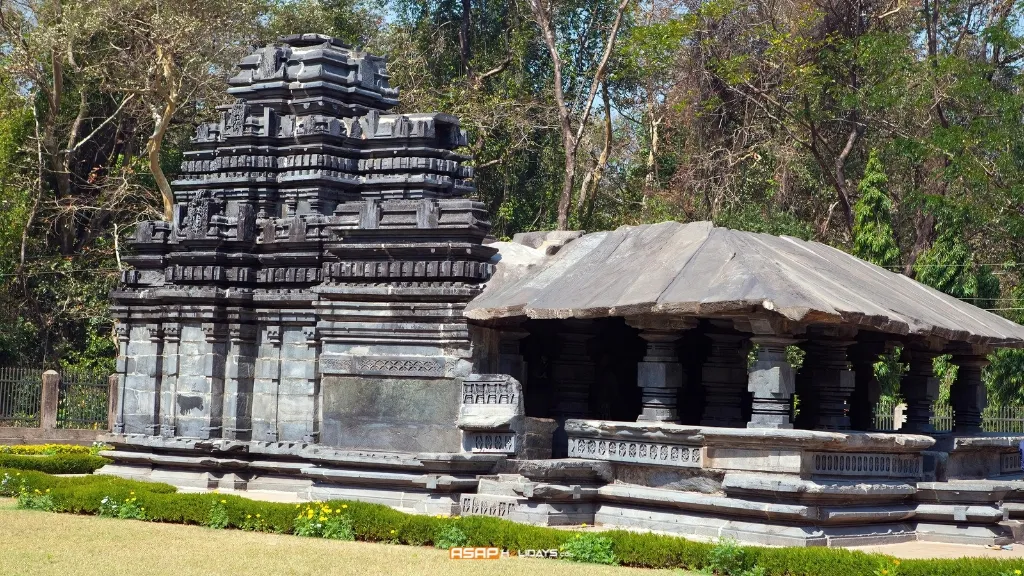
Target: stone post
{"type": "Point", "coordinates": [968, 394]}
{"type": "Point", "coordinates": [123, 332]}
{"type": "Point", "coordinates": [572, 376]}
{"type": "Point", "coordinates": [920, 387]}
{"type": "Point", "coordinates": [772, 382]}
{"type": "Point", "coordinates": [825, 383]}
{"type": "Point", "coordinates": [113, 400]}
{"type": "Point", "coordinates": [866, 388]}
{"type": "Point", "coordinates": [48, 403]}
{"type": "Point", "coordinates": [724, 378]}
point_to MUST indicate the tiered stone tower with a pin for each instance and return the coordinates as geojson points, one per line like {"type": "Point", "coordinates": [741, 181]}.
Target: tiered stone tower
{"type": "Point", "coordinates": [311, 285]}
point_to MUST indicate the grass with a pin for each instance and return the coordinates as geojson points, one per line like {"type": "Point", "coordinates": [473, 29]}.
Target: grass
{"type": "Point", "coordinates": [40, 543]}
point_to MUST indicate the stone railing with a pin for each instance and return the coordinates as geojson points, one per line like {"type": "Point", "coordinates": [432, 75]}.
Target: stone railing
{"type": "Point", "coordinates": [805, 453]}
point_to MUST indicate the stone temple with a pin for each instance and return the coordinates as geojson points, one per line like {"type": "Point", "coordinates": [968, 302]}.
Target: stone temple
{"type": "Point", "coordinates": [327, 315]}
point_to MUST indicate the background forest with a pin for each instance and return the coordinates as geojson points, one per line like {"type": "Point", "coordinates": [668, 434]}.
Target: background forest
{"type": "Point", "coordinates": [892, 129]}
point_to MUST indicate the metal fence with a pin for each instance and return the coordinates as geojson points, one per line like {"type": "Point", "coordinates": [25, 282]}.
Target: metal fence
{"type": "Point", "coordinates": [1008, 419]}
{"type": "Point", "coordinates": [21, 392]}
{"type": "Point", "coordinates": [82, 400]}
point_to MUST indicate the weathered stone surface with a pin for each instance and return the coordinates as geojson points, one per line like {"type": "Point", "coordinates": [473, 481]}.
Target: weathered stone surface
{"type": "Point", "coordinates": [701, 270]}
{"type": "Point", "coordinates": [391, 414]}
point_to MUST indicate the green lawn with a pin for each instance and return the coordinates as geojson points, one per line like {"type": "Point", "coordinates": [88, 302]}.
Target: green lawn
{"type": "Point", "coordinates": [42, 543]}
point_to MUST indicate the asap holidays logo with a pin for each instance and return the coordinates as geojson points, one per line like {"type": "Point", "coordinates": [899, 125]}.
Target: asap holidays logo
{"type": "Point", "coordinates": [495, 553]}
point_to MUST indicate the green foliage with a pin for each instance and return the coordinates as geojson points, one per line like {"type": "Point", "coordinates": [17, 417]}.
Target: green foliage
{"type": "Point", "coordinates": [449, 535]}
{"type": "Point", "coordinates": [46, 449]}
{"type": "Point", "coordinates": [873, 238]}
{"type": "Point", "coordinates": [948, 266]}
{"type": "Point", "coordinates": [728, 558]}
{"type": "Point", "coordinates": [889, 371]}
{"type": "Point", "coordinates": [590, 548]}
{"type": "Point", "coordinates": [36, 500]}
{"type": "Point", "coordinates": [55, 464]}
{"type": "Point", "coordinates": [218, 518]}
{"type": "Point", "coordinates": [377, 523]}
{"type": "Point", "coordinates": [320, 520]}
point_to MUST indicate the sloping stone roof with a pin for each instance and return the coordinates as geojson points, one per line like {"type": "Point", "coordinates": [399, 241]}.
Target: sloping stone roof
{"type": "Point", "coordinates": [698, 269]}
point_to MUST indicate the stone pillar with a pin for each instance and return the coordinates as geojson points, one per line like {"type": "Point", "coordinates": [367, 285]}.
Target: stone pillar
{"type": "Point", "coordinates": [724, 378]}
{"type": "Point", "coordinates": [199, 396]}
{"type": "Point", "coordinates": [825, 383]}
{"type": "Point", "coordinates": [143, 373]}
{"type": "Point", "coordinates": [510, 361]}
{"type": "Point", "coordinates": [266, 385]}
{"type": "Point", "coordinates": [238, 382]}
{"type": "Point", "coordinates": [866, 389]}
{"type": "Point", "coordinates": [920, 387]}
{"type": "Point", "coordinates": [298, 414]}
{"type": "Point", "coordinates": [572, 370]}
{"type": "Point", "coordinates": [122, 331]}
{"type": "Point", "coordinates": [113, 400]}
{"type": "Point", "coordinates": [49, 401]}
{"type": "Point", "coordinates": [968, 394]}
{"type": "Point", "coordinates": [772, 383]}
{"type": "Point", "coordinates": [169, 389]}
{"type": "Point", "coordinates": [572, 376]}
{"type": "Point", "coordinates": [660, 376]}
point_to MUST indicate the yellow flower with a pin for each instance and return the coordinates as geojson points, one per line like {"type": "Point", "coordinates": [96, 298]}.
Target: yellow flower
{"type": "Point", "coordinates": [884, 572]}
{"type": "Point", "coordinates": [322, 519]}
{"type": "Point", "coordinates": [895, 562]}
{"type": "Point", "coordinates": [1017, 572]}
{"type": "Point", "coordinates": [297, 506]}
{"type": "Point", "coordinates": [344, 505]}
{"type": "Point", "coordinates": [392, 531]}
{"type": "Point", "coordinates": [131, 493]}
{"type": "Point", "coordinates": [223, 501]}
{"type": "Point", "coordinates": [257, 515]}
{"type": "Point", "coordinates": [47, 490]}
{"type": "Point", "coordinates": [247, 516]}
{"type": "Point", "coordinates": [584, 524]}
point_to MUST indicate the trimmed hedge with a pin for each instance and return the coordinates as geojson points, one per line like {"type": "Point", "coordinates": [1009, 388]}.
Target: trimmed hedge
{"type": "Point", "coordinates": [45, 449]}
{"type": "Point", "coordinates": [378, 523]}
{"type": "Point", "coordinates": [56, 464]}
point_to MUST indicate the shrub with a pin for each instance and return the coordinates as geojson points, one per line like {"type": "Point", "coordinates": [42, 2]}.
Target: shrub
{"type": "Point", "coordinates": [450, 536]}
{"type": "Point", "coordinates": [55, 464]}
{"type": "Point", "coordinates": [12, 484]}
{"type": "Point", "coordinates": [122, 498]}
{"type": "Point", "coordinates": [36, 500]}
{"type": "Point", "coordinates": [218, 517]}
{"type": "Point", "coordinates": [320, 520]}
{"type": "Point", "coordinates": [45, 449]}
{"type": "Point", "coordinates": [590, 548]}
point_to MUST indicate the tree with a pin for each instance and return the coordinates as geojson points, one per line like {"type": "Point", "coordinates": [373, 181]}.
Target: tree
{"type": "Point", "coordinates": [544, 14]}
{"type": "Point", "coordinates": [873, 238]}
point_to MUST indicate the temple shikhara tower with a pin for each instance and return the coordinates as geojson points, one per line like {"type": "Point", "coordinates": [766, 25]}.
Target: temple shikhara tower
{"type": "Point", "coordinates": [327, 315]}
